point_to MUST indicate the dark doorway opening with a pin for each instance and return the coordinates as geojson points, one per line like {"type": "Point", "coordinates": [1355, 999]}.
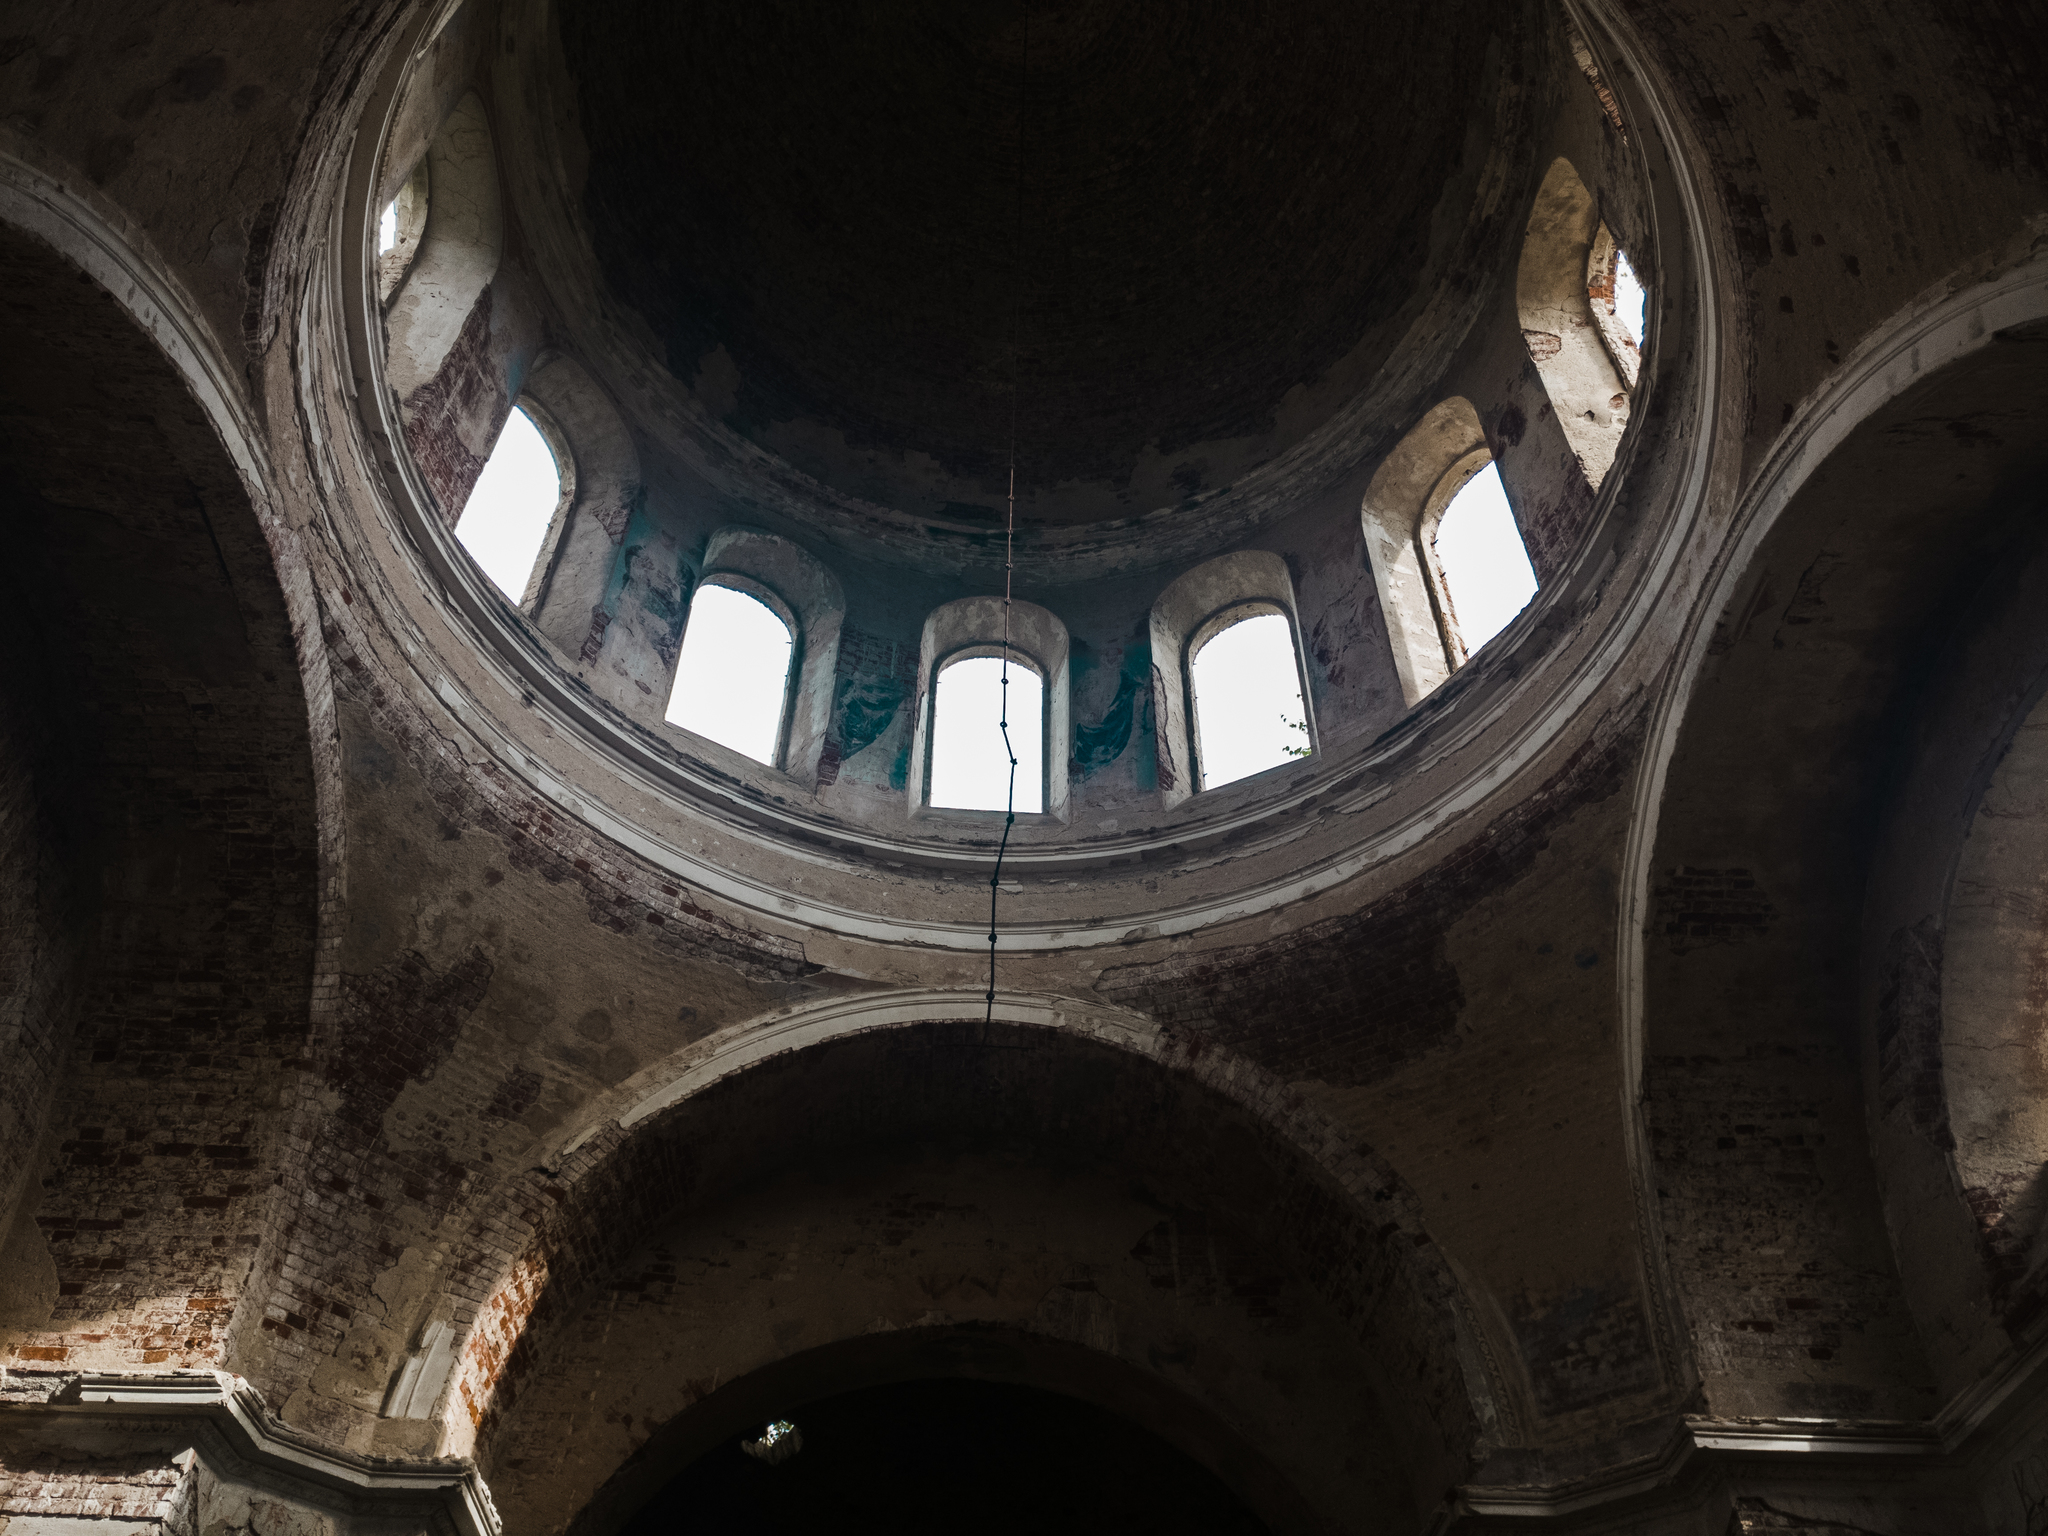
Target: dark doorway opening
{"type": "Point", "coordinates": [951, 1456]}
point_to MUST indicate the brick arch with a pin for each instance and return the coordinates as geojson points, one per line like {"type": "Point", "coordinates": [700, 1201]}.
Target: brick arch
{"type": "Point", "coordinates": [162, 748]}
{"type": "Point", "coordinates": [527, 1269]}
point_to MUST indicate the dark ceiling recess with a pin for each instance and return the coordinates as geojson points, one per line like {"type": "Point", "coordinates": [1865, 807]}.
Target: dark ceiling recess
{"type": "Point", "coordinates": [1221, 201]}
{"type": "Point", "coordinates": [951, 1457]}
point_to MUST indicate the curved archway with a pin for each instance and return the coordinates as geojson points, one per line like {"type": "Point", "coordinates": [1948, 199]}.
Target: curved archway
{"type": "Point", "coordinates": [1805, 679]}
{"type": "Point", "coordinates": [1118, 1147]}
{"type": "Point", "coordinates": [165, 819]}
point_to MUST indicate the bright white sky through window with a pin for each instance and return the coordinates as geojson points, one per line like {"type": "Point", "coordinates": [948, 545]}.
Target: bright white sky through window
{"type": "Point", "coordinates": [1628, 298]}
{"type": "Point", "coordinates": [1483, 561]}
{"type": "Point", "coordinates": [387, 227]}
{"type": "Point", "coordinates": [969, 769]}
{"type": "Point", "coordinates": [1248, 700]}
{"type": "Point", "coordinates": [733, 675]}
{"type": "Point", "coordinates": [507, 515]}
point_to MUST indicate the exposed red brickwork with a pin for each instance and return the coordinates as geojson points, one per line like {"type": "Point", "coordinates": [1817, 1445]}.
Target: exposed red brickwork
{"type": "Point", "coordinates": [1711, 906]}
{"type": "Point", "coordinates": [1744, 1163]}
{"type": "Point", "coordinates": [180, 687]}
{"type": "Point", "coordinates": [142, 1485]}
{"type": "Point", "coordinates": [466, 397]}
{"type": "Point", "coordinates": [359, 1184]}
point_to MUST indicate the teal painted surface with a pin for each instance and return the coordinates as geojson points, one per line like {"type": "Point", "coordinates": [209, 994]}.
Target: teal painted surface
{"type": "Point", "coordinates": [863, 709]}
{"type": "Point", "coordinates": [877, 677]}
{"type": "Point", "coordinates": [1129, 715]}
{"type": "Point", "coordinates": [657, 574]}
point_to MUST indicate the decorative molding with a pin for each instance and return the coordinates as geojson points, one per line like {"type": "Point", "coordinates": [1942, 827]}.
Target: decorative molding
{"type": "Point", "coordinates": [1813, 1455]}
{"type": "Point", "coordinates": [230, 1408]}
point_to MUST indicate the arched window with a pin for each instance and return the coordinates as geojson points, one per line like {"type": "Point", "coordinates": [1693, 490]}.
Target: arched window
{"type": "Point", "coordinates": [732, 677]}
{"type": "Point", "coordinates": [1245, 677]}
{"type": "Point", "coordinates": [956, 747]}
{"type": "Point", "coordinates": [506, 520]}
{"type": "Point", "coordinates": [970, 769]}
{"type": "Point", "coordinates": [1446, 552]}
{"type": "Point", "coordinates": [1482, 568]}
{"type": "Point", "coordinates": [458, 253]}
{"type": "Point", "coordinates": [1226, 631]}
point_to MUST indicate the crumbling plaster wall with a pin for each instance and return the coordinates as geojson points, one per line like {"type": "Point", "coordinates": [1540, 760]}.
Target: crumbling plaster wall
{"type": "Point", "coordinates": [1092, 1111]}
{"type": "Point", "coordinates": [1951, 175]}
{"type": "Point", "coordinates": [1862, 153]}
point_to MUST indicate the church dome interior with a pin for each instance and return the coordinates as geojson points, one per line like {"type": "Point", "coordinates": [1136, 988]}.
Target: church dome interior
{"type": "Point", "coordinates": [1049, 765]}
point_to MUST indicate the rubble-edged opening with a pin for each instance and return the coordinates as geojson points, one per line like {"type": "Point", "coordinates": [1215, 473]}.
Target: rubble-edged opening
{"type": "Point", "coordinates": [775, 1444]}
{"type": "Point", "coordinates": [1244, 695]}
{"type": "Point", "coordinates": [732, 678]}
{"type": "Point", "coordinates": [1587, 386]}
{"type": "Point", "coordinates": [1477, 560]}
{"type": "Point", "coordinates": [517, 501]}
{"type": "Point", "coordinates": [1620, 305]}
{"type": "Point", "coordinates": [399, 228]}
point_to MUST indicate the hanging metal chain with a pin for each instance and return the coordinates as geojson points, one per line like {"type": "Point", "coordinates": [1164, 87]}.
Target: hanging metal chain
{"type": "Point", "coordinates": [995, 879]}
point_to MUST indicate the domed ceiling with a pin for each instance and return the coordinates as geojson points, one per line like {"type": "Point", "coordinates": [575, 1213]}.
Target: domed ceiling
{"type": "Point", "coordinates": [1231, 218]}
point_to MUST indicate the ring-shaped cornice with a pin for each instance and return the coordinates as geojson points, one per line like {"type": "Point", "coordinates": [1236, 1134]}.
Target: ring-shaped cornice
{"type": "Point", "coordinates": [1578, 652]}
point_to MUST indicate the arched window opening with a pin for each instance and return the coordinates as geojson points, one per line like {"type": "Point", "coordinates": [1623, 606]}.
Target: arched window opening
{"type": "Point", "coordinates": [970, 771]}
{"type": "Point", "coordinates": [506, 519]}
{"type": "Point", "coordinates": [732, 677]}
{"type": "Point", "coordinates": [1246, 681]}
{"type": "Point", "coordinates": [956, 758]}
{"type": "Point", "coordinates": [1482, 566]}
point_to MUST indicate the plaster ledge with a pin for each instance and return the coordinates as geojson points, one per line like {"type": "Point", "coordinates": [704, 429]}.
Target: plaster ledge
{"type": "Point", "coordinates": [232, 1409]}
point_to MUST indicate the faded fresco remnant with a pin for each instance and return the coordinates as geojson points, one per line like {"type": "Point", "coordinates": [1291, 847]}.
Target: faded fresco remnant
{"type": "Point", "coordinates": [1127, 716]}
{"type": "Point", "coordinates": [874, 676]}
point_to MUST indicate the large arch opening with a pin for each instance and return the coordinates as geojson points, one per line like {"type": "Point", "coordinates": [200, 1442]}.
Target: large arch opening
{"type": "Point", "coordinates": [1794, 992]}
{"type": "Point", "coordinates": [159, 846]}
{"type": "Point", "coordinates": [973, 1180]}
